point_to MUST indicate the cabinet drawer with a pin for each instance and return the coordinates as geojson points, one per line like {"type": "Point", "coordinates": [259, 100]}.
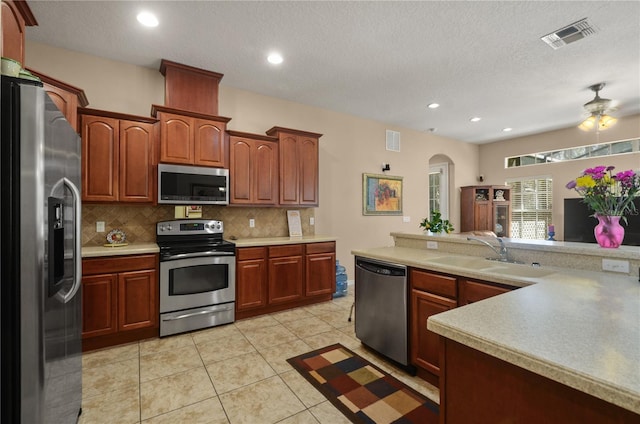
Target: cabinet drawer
{"type": "Point", "coordinates": [325, 247]}
{"type": "Point", "coordinates": [434, 283]}
{"type": "Point", "coordinates": [286, 250]}
{"type": "Point", "coordinates": [118, 264]}
{"type": "Point", "coordinates": [248, 253]}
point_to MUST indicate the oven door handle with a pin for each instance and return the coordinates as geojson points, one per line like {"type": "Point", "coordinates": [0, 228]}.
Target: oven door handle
{"type": "Point", "coordinates": [197, 255]}
{"type": "Point", "coordinates": [193, 314]}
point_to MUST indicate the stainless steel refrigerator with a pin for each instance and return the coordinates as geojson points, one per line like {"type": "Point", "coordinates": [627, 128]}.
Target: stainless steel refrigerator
{"type": "Point", "coordinates": [40, 262]}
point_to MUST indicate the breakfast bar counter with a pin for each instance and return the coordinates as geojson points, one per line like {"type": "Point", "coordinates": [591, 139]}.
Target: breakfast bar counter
{"type": "Point", "coordinates": [578, 328]}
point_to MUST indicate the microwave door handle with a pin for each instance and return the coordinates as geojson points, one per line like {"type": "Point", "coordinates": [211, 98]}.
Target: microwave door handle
{"type": "Point", "coordinates": [198, 254]}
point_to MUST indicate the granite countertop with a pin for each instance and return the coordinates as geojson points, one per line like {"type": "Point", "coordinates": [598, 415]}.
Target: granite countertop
{"type": "Point", "coordinates": [579, 328]}
{"type": "Point", "coordinates": [130, 249]}
{"type": "Point", "coordinates": [271, 241]}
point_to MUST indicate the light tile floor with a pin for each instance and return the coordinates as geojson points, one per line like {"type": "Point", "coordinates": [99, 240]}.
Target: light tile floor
{"type": "Point", "coordinates": [236, 373]}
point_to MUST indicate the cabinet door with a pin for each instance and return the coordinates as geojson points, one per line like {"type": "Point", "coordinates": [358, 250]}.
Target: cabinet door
{"type": "Point", "coordinates": [483, 216]}
{"type": "Point", "coordinates": [502, 219]}
{"type": "Point", "coordinates": [285, 279]}
{"type": "Point", "coordinates": [251, 284]}
{"type": "Point", "coordinates": [425, 344]}
{"type": "Point", "coordinates": [13, 30]}
{"type": "Point", "coordinates": [136, 163]}
{"type": "Point", "coordinates": [308, 178]}
{"type": "Point", "coordinates": [320, 270]}
{"type": "Point", "coordinates": [176, 139]}
{"type": "Point", "coordinates": [100, 159]}
{"type": "Point", "coordinates": [289, 170]}
{"type": "Point", "coordinates": [265, 182]}
{"type": "Point", "coordinates": [240, 170]}
{"type": "Point", "coordinates": [99, 316]}
{"type": "Point", "coordinates": [209, 143]}
{"type": "Point", "coordinates": [66, 102]}
{"type": "Point", "coordinates": [475, 291]}
{"type": "Point", "coordinates": [137, 300]}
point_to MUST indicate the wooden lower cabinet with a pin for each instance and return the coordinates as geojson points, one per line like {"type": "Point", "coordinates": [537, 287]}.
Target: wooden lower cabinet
{"type": "Point", "coordinates": [276, 278]}
{"type": "Point", "coordinates": [480, 388]}
{"type": "Point", "coordinates": [119, 300]}
{"type": "Point", "coordinates": [433, 293]}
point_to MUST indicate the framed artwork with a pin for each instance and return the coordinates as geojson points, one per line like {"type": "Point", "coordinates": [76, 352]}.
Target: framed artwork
{"type": "Point", "coordinates": [381, 195]}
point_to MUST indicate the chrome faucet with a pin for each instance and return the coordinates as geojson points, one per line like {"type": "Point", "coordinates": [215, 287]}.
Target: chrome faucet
{"type": "Point", "coordinates": [502, 252]}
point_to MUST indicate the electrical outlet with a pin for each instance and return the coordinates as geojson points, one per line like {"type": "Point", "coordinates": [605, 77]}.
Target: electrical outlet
{"type": "Point", "coordinates": [432, 245]}
{"type": "Point", "coordinates": [615, 266]}
{"type": "Point", "coordinates": [252, 223]}
{"type": "Point", "coordinates": [406, 219]}
{"type": "Point", "coordinates": [100, 227]}
{"type": "Point", "coordinates": [312, 221]}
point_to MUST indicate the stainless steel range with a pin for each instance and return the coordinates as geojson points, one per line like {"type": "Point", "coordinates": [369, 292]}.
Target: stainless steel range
{"type": "Point", "coordinates": [197, 275]}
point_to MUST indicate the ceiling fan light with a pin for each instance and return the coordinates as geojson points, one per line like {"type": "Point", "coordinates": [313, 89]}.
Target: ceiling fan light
{"type": "Point", "coordinates": [606, 122]}
{"type": "Point", "coordinates": [589, 123]}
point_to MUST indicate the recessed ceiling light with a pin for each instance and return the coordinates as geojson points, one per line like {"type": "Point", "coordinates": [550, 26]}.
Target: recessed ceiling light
{"type": "Point", "coordinates": [507, 129]}
{"type": "Point", "coordinates": [475, 119]}
{"type": "Point", "coordinates": [433, 105]}
{"type": "Point", "coordinates": [275, 58]}
{"type": "Point", "coordinates": [147, 19]}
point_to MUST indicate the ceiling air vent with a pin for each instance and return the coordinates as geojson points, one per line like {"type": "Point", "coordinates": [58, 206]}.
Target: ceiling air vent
{"type": "Point", "coordinates": [393, 141]}
{"type": "Point", "coordinates": [569, 34]}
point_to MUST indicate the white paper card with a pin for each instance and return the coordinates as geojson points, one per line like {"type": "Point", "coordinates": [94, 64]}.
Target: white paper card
{"type": "Point", "coordinates": [295, 226]}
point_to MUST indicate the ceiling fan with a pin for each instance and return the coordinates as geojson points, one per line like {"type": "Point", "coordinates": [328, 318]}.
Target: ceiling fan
{"type": "Point", "coordinates": [598, 109]}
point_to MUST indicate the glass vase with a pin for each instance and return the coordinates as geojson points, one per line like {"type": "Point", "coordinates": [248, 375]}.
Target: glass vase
{"type": "Point", "coordinates": [609, 233]}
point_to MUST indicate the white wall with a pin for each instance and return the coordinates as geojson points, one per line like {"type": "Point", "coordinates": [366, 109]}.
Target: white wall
{"type": "Point", "coordinates": [349, 147]}
{"type": "Point", "coordinates": [492, 159]}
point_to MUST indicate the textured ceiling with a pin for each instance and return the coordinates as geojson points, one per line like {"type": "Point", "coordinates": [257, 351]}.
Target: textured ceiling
{"type": "Point", "coordinates": [381, 60]}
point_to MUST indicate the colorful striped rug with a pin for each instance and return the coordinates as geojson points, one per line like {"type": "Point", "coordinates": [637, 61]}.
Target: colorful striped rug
{"type": "Point", "coordinates": [361, 391]}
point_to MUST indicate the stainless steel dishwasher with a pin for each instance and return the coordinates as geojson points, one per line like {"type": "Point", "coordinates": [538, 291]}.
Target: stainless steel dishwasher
{"type": "Point", "coordinates": [381, 307]}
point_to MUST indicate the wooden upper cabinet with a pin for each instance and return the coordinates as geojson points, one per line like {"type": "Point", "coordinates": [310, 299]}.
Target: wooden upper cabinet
{"type": "Point", "coordinates": [118, 157]}
{"type": "Point", "coordinates": [189, 138]}
{"type": "Point", "coordinates": [137, 141]}
{"type": "Point", "coordinates": [298, 154]}
{"type": "Point", "coordinates": [209, 146]}
{"type": "Point", "coordinates": [66, 97]}
{"type": "Point", "coordinates": [253, 169]}
{"type": "Point", "coordinates": [100, 159]}
{"type": "Point", "coordinates": [16, 15]}
{"type": "Point", "coordinates": [191, 89]}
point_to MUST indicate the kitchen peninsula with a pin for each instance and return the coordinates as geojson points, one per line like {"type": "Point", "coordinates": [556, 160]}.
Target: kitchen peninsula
{"type": "Point", "coordinates": [563, 348]}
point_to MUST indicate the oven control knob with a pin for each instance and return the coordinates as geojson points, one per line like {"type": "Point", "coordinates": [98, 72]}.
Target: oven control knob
{"type": "Point", "coordinates": [169, 227]}
{"type": "Point", "coordinates": [161, 228]}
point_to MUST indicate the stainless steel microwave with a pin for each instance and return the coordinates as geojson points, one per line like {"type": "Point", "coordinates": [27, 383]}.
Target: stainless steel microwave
{"type": "Point", "coordinates": [192, 185]}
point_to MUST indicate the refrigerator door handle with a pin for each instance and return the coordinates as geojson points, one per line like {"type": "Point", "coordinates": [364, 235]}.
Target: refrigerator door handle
{"type": "Point", "coordinates": [77, 231]}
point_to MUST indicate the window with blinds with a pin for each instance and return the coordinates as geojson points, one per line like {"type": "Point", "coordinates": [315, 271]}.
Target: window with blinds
{"type": "Point", "coordinates": [531, 207]}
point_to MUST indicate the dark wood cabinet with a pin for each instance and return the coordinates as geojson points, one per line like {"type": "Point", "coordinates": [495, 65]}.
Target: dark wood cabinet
{"type": "Point", "coordinates": [474, 291]}
{"type": "Point", "coordinates": [431, 293]}
{"type": "Point", "coordinates": [251, 278]}
{"type": "Point", "coordinates": [190, 88]}
{"type": "Point", "coordinates": [117, 157]}
{"type": "Point", "coordinates": [276, 278]}
{"type": "Point", "coordinates": [486, 208]}
{"type": "Point", "coordinates": [16, 15]}
{"type": "Point", "coordinates": [65, 96]}
{"type": "Point", "coordinates": [298, 163]}
{"type": "Point", "coordinates": [119, 300]}
{"type": "Point", "coordinates": [190, 138]}
{"type": "Point", "coordinates": [320, 269]}
{"type": "Point", "coordinates": [285, 273]}
{"type": "Point", "coordinates": [253, 169]}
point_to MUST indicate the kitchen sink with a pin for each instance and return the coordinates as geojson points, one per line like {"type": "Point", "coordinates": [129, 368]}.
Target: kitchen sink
{"type": "Point", "coordinates": [520, 271]}
{"type": "Point", "coordinates": [463, 262]}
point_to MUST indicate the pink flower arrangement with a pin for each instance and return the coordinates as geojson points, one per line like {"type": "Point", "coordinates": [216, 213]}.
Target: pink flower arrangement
{"type": "Point", "coordinates": [608, 193]}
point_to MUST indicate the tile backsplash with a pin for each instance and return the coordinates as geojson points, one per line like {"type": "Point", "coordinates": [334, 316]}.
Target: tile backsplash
{"type": "Point", "coordinates": [139, 221]}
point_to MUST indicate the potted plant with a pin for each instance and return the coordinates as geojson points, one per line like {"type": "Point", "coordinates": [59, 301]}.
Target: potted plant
{"type": "Point", "coordinates": [436, 224]}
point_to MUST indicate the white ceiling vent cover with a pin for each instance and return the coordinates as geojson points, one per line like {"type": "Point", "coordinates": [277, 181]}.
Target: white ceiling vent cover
{"type": "Point", "coordinates": [393, 141]}
{"type": "Point", "coordinates": [569, 34]}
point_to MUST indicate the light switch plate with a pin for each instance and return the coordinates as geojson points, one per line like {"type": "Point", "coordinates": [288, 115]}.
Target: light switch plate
{"type": "Point", "coordinates": [312, 221]}
{"type": "Point", "coordinates": [252, 223]}
{"type": "Point", "coordinates": [100, 227]}
{"type": "Point", "coordinates": [432, 245]}
{"type": "Point", "coordinates": [406, 219]}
